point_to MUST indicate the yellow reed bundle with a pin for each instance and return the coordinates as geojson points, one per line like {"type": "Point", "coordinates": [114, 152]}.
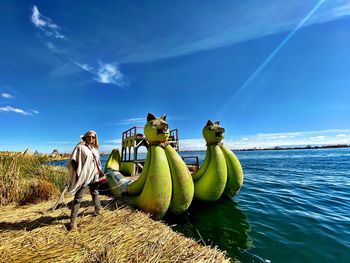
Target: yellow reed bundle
{"type": "Point", "coordinates": [36, 234]}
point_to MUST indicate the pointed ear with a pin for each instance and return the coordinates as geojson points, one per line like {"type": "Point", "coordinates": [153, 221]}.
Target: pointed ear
{"type": "Point", "coordinates": [209, 123]}
{"type": "Point", "coordinates": [217, 122]}
{"type": "Point", "coordinates": [150, 117]}
{"type": "Point", "coordinates": [163, 117]}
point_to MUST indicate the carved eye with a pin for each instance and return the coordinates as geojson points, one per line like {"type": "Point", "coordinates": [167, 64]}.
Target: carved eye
{"type": "Point", "coordinates": [211, 128]}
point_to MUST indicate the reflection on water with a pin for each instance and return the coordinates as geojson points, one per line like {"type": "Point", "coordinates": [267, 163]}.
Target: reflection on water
{"type": "Point", "coordinates": [220, 224]}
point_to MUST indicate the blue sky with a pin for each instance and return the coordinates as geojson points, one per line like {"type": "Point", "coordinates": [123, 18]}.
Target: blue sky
{"type": "Point", "coordinates": [273, 72]}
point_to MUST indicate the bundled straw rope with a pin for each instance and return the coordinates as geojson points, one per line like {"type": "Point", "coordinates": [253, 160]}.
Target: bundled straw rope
{"type": "Point", "coordinates": [35, 234]}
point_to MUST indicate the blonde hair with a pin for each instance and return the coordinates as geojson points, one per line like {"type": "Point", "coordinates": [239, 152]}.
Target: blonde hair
{"type": "Point", "coordinates": [88, 133]}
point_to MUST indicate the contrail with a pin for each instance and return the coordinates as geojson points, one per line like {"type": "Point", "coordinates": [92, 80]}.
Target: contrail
{"type": "Point", "coordinates": [270, 57]}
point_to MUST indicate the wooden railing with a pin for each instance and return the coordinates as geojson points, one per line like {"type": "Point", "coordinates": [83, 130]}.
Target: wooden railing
{"type": "Point", "coordinates": [132, 132]}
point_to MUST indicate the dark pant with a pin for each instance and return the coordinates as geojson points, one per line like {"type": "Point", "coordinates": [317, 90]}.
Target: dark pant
{"type": "Point", "coordinates": [78, 197]}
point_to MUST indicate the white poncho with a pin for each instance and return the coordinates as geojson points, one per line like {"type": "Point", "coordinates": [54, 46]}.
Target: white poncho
{"type": "Point", "coordinates": [87, 171]}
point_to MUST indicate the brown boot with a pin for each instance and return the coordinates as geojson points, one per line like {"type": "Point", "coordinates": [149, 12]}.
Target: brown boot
{"type": "Point", "coordinates": [72, 226]}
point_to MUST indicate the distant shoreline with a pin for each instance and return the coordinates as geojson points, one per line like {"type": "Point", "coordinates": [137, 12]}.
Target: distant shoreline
{"type": "Point", "coordinates": [65, 156]}
{"type": "Point", "coordinates": [278, 148]}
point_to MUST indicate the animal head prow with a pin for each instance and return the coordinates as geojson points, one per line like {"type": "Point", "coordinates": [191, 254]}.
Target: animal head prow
{"type": "Point", "coordinates": [209, 122]}
{"type": "Point", "coordinates": [156, 129]}
{"type": "Point", "coordinates": [150, 117]}
{"type": "Point", "coordinates": [213, 132]}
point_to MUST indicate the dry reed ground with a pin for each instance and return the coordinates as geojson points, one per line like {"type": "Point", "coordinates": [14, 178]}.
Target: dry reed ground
{"type": "Point", "coordinates": [33, 233]}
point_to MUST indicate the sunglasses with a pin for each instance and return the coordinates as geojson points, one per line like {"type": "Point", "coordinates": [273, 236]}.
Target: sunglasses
{"type": "Point", "coordinates": [92, 137]}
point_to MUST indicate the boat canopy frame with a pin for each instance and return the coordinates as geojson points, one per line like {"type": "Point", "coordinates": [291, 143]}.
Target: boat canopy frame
{"type": "Point", "coordinates": [134, 138]}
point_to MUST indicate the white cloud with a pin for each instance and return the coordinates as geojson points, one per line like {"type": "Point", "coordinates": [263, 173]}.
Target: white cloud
{"type": "Point", "coordinates": [322, 137]}
{"type": "Point", "coordinates": [132, 121]}
{"type": "Point", "coordinates": [85, 67]}
{"type": "Point", "coordinates": [342, 9]}
{"type": "Point", "coordinates": [45, 24]}
{"type": "Point", "coordinates": [318, 138]}
{"type": "Point", "coordinates": [192, 144]}
{"type": "Point", "coordinates": [53, 48]}
{"type": "Point", "coordinates": [342, 135]}
{"type": "Point", "coordinates": [239, 21]}
{"type": "Point", "coordinates": [6, 96]}
{"type": "Point", "coordinates": [109, 74]}
{"type": "Point", "coordinates": [36, 17]}
{"type": "Point", "coordinates": [274, 136]}
{"type": "Point", "coordinates": [108, 146]}
{"type": "Point", "coordinates": [35, 111]}
{"type": "Point", "coordinates": [106, 73]}
{"type": "Point", "coordinates": [16, 110]}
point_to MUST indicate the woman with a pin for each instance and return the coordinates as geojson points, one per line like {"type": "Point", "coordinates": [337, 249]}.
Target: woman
{"type": "Point", "coordinates": [85, 168]}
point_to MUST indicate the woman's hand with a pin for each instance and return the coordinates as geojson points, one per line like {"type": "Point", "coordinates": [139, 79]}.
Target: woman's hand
{"type": "Point", "coordinates": [102, 178]}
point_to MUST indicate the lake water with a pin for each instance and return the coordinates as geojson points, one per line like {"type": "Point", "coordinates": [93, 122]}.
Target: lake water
{"type": "Point", "coordinates": [294, 206]}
